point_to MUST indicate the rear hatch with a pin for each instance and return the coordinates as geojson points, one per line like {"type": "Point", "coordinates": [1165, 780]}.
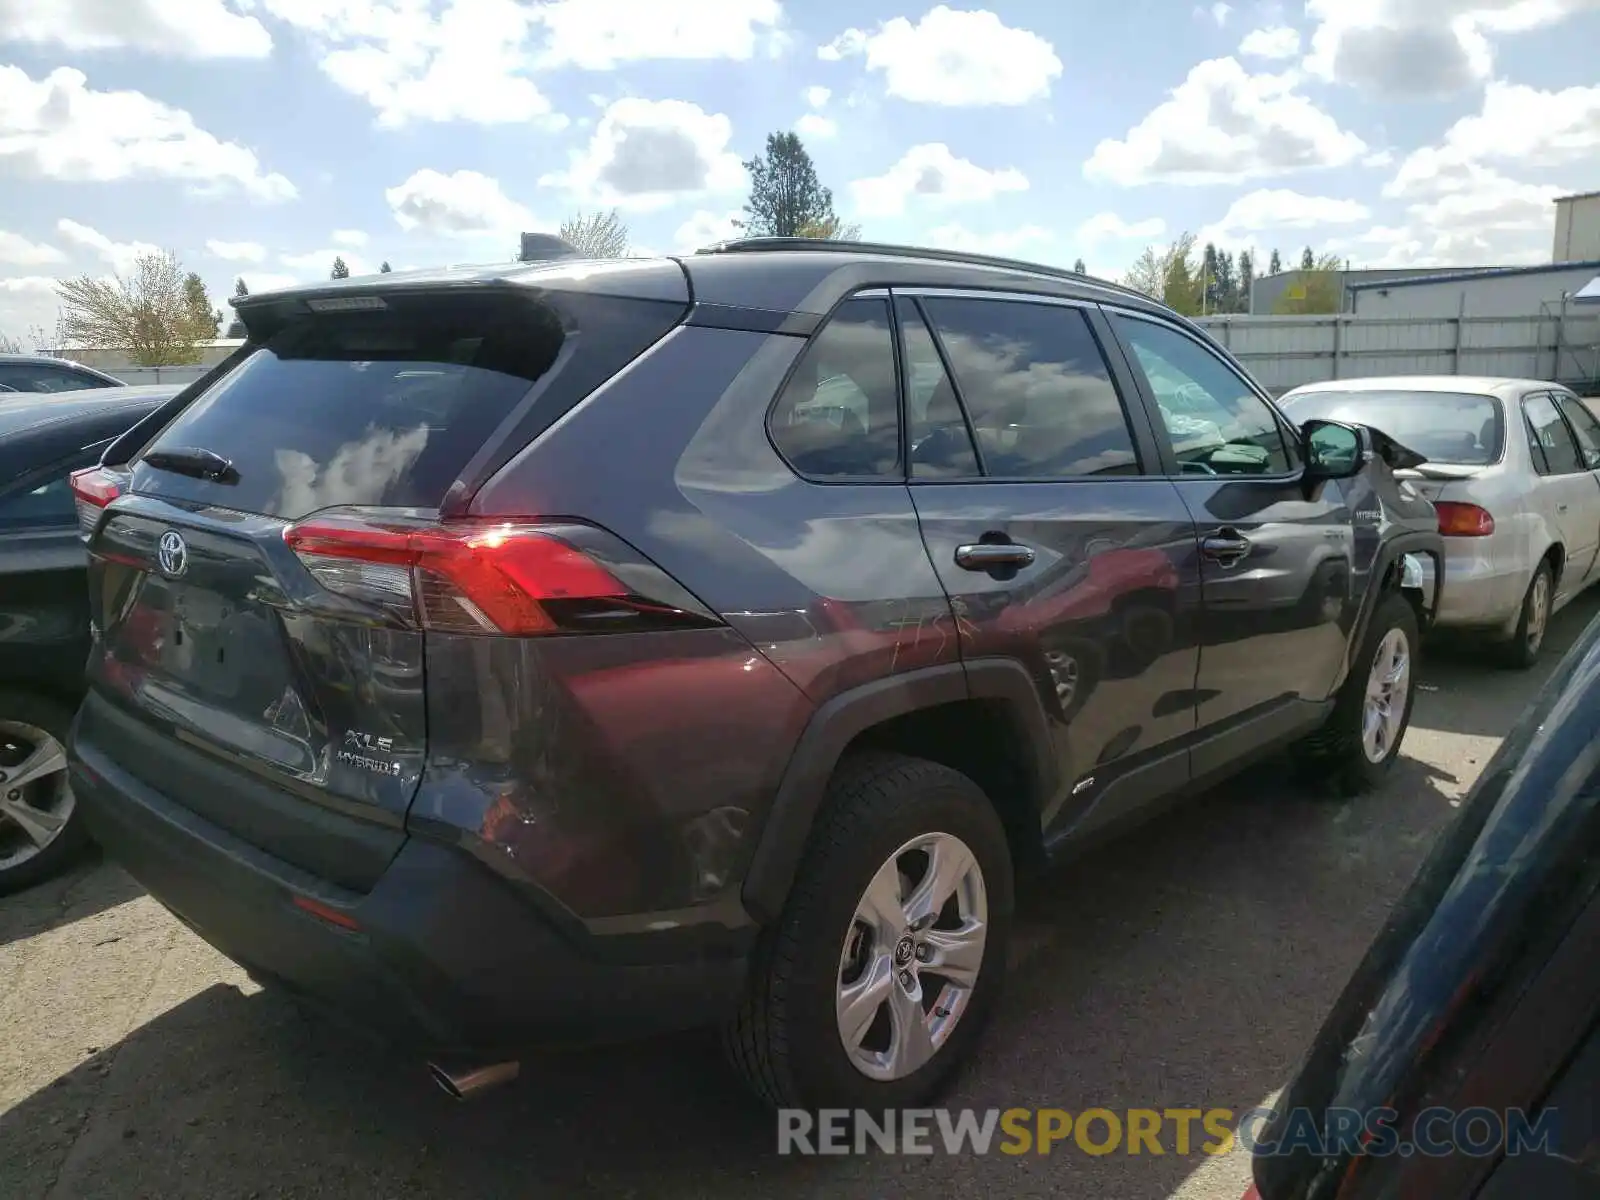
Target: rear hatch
{"type": "Point", "coordinates": [246, 665]}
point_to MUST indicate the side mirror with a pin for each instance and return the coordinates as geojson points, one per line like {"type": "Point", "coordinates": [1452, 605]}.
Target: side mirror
{"type": "Point", "coordinates": [1332, 449]}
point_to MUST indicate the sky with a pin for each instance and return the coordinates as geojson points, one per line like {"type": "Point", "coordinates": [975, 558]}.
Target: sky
{"type": "Point", "coordinates": [261, 138]}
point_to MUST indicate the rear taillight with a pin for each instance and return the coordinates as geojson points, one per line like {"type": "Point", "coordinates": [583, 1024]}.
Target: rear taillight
{"type": "Point", "coordinates": [1459, 519]}
{"type": "Point", "coordinates": [470, 577]}
{"type": "Point", "coordinates": [92, 489]}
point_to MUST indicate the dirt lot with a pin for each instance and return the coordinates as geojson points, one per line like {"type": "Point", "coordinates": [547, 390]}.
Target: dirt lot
{"type": "Point", "coordinates": [1186, 966]}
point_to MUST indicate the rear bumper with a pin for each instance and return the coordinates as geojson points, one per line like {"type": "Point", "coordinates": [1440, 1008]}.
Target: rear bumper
{"type": "Point", "coordinates": [1481, 588]}
{"type": "Point", "coordinates": [446, 957]}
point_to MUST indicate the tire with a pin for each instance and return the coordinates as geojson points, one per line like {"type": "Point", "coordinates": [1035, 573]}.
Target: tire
{"type": "Point", "coordinates": [1338, 752]}
{"type": "Point", "coordinates": [1522, 650]}
{"type": "Point", "coordinates": [20, 712]}
{"type": "Point", "coordinates": [786, 1040]}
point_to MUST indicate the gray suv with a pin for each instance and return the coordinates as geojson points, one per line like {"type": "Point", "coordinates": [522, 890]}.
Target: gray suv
{"type": "Point", "coordinates": [582, 649]}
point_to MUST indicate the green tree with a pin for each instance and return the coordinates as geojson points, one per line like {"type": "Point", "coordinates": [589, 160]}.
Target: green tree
{"type": "Point", "coordinates": [1079, 267]}
{"type": "Point", "coordinates": [384, 268]}
{"type": "Point", "coordinates": [1275, 264]}
{"type": "Point", "coordinates": [1318, 288]}
{"type": "Point", "coordinates": [340, 271]}
{"type": "Point", "coordinates": [596, 234]}
{"type": "Point", "coordinates": [1308, 260]}
{"type": "Point", "coordinates": [206, 318]}
{"type": "Point", "coordinates": [1247, 278]}
{"type": "Point", "coordinates": [1171, 275]}
{"type": "Point", "coordinates": [239, 287]}
{"type": "Point", "coordinates": [829, 229]}
{"type": "Point", "coordinates": [785, 194]}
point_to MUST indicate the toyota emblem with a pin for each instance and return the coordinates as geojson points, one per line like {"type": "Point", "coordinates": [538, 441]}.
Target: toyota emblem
{"type": "Point", "coordinates": [172, 554]}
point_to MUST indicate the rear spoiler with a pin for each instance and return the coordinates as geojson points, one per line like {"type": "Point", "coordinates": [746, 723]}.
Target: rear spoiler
{"type": "Point", "coordinates": [1399, 458]}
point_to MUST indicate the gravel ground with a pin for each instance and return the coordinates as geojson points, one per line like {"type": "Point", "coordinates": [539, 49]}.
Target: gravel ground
{"type": "Point", "coordinates": [1186, 966]}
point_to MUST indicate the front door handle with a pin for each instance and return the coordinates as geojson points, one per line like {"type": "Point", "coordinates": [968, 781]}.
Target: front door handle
{"type": "Point", "coordinates": [993, 556]}
{"type": "Point", "coordinates": [1561, 508]}
{"type": "Point", "coordinates": [1225, 546]}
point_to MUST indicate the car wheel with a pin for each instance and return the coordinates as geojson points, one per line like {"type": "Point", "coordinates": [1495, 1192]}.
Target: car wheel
{"type": "Point", "coordinates": [1522, 651]}
{"type": "Point", "coordinates": [40, 830]}
{"type": "Point", "coordinates": [1356, 748]}
{"type": "Point", "coordinates": [889, 956]}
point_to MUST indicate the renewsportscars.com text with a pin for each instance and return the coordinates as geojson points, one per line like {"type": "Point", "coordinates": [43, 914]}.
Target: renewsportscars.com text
{"type": "Point", "coordinates": [1436, 1132]}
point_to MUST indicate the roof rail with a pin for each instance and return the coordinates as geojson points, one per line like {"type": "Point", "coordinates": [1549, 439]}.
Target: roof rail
{"type": "Point", "coordinates": [891, 250]}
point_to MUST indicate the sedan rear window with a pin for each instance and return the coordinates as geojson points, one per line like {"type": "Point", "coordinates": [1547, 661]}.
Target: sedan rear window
{"type": "Point", "coordinates": [1444, 427]}
{"type": "Point", "coordinates": [388, 408]}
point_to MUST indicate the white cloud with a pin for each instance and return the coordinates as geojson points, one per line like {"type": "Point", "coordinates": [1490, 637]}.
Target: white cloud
{"type": "Point", "coordinates": [816, 96]}
{"type": "Point", "coordinates": [1223, 125]}
{"type": "Point", "coordinates": [933, 174]}
{"type": "Point", "coordinates": [1220, 12]}
{"type": "Point", "coordinates": [647, 154]}
{"type": "Point", "coordinates": [182, 28]}
{"type": "Point", "coordinates": [461, 204]}
{"type": "Point", "coordinates": [1003, 242]}
{"type": "Point", "coordinates": [349, 237]}
{"type": "Point", "coordinates": [705, 228]}
{"type": "Point", "coordinates": [26, 302]}
{"type": "Point", "coordinates": [954, 59]}
{"type": "Point", "coordinates": [1418, 48]}
{"type": "Point", "coordinates": [815, 125]}
{"type": "Point", "coordinates": [19, 251]}
{"type": "Point", "coordinates": [120, 255]}
{"type": "Point", "coordinates": [1109, 227]}
{"type": "Point", "coordinates": [600, 36]}
{"type": "Point", "coordinates": [1270, 209]}
{"type": "Point", "coordinates": [58, 129]}
{"type": "Point", "coordinates": [1516, 125]}
{"type": "Point", "coordinates": [246, 252]}
{"type": "Point", "coordinates": [1278, 42]}
{"type": "Point", "coordinates": [413, 61]}
{"type": "Point", "coordinates": [1494, 221]}
{"type": "Point", "coordinates": [318, 264]}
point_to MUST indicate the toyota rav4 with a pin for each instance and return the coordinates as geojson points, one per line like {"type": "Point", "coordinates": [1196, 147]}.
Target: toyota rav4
{"type": "Point", "coordinates": [580, 649]}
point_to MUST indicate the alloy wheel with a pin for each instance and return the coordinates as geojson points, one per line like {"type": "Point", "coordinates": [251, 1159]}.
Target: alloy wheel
{"type": "Point", "coordinates": [35, 800]}
{"type": "Point", "coordinates": [912, 956]}
{"type": "Point", "coordinates": [1388, 689]}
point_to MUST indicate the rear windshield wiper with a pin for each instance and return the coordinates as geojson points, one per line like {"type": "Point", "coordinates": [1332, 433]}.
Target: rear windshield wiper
{"type": "Point", "coordinates": [193, 460]}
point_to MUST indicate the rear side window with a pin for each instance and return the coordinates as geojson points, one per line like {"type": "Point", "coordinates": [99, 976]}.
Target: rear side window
{"type": "Point", "coordinates": [1550, 435]}
{"type": "Point", "coordinates": [941, 446]}
{"type": "Point", "coordinates": [1584, 425]}
{"type": "Point", "coordinates": [388, 408]}
{"type": "Point", "coordinates": [41, 377]}
{"type": "Point", "coordinates": [1036, 388]}
{"type": "Point", "coordinates": [838, 417]}
{"type": "Point", "coordinates": [46, 504]}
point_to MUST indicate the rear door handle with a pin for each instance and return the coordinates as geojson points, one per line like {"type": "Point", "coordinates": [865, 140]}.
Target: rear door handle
{"type": "Point", "coordinates": [1561, 508]}
{"type": "Point", "coordinates": [1225, 547]}
{"type": "Point", "coordinates": [990, 556]}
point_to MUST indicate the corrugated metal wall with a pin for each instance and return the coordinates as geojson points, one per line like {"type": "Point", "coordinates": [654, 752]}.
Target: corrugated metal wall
{"type": "Point", "coordinates": [1285, 352]}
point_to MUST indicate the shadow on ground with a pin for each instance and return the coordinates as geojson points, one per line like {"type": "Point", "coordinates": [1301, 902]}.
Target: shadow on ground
{"type": "Point", "coordinates": [1185, 966]}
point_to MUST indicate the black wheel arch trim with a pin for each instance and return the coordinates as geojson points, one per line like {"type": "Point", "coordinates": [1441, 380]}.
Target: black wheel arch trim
{"type": "Point", "coordinates": [840, 720]}
{"type": "Point", "coordinates": [1389, 554]}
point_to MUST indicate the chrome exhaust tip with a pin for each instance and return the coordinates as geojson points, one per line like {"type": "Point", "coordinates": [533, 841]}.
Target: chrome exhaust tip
{"type": "Point", "coordinates": [465, 1083]}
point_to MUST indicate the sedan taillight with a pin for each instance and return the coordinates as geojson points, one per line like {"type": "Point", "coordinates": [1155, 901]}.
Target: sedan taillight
{"type": "Point", "coordinates": [1459, 519]}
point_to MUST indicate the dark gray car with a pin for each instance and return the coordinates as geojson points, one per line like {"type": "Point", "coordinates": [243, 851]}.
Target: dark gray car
{"type": "Point", "coordinates": [580, 649]}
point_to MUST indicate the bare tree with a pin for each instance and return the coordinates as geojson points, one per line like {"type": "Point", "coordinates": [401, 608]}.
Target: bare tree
{"type": "Point", "coordinates": [9, 344]}
{"type": "Point", "coordinates": [151, 313]}
{"type": "Point", "coordinates": [596, 234]}
{"type": "Point", "coordinates": [829, 228]}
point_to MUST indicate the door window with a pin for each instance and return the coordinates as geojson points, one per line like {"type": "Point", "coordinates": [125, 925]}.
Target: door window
{"type": "Point", "coordinates": [1549, 432]}
{"type": "Point", "coordinates": [1217, 424]}
{"type": "Point", "coordinates": [941, 446]}
{"type": "Point", "coordinates": [1036, 387]}
{"type": "Point", "coordinates": [838, 416]}
{"type": "Point", "coordinates": [41, 377]}
{"type": "Point", "coordinates": [1585, 426]}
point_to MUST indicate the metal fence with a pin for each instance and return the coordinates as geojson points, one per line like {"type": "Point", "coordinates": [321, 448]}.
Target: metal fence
{"type": "Point", "coordinates": [1285, 352]}
{"type": "Point", "coordinates": [138, 375]}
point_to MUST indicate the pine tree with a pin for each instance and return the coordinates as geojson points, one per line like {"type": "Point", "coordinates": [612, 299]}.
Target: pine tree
{"type": "Point", "coordinates": [384, 268]}
{"type": "Point", "coordinates": [785, 195]}
{"type": "Point", "coordinates": [1079, 267]}
{"type": "Point", "coordinates": [340, 271]}
{"type": "Point", "coordinates": [239, 288]}
{"type": "Point", "coordinates": [1275, 264]}
{"type": "Point", "coordinates": [1308, 260]}
{"type": "Point", "coordinates": [1247, 278]}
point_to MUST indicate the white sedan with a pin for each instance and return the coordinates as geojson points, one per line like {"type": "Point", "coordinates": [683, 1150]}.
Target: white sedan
{"type": "Point", "coordinates": [1514, 470]}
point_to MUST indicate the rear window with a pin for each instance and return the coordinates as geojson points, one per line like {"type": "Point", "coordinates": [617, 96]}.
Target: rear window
{"type": "Point", "coordinates": [1444, 427]}
{"type": "Point", "coordinates": [388, 408]}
